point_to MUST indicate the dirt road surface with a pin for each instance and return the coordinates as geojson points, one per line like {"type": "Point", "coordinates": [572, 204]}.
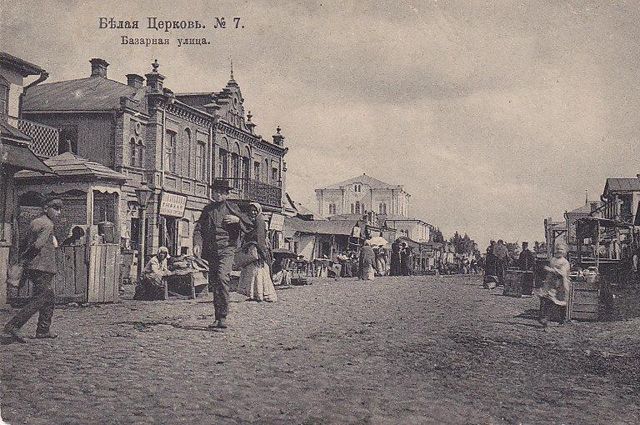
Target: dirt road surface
{"type": "Point", "coordinates": [414, 350]}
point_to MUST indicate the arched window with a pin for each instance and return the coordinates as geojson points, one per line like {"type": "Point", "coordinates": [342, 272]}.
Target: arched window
{"type": "Point", "coordinates": [352, 209]}
{"type": "Point", "coordinates": [357, 207]}
{"type": "Point", "coordinates": [266, 171]}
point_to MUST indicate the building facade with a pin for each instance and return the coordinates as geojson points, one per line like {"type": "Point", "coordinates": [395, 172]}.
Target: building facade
{"type": "Point", "coordinates": [621, 197]}
{"type": "Point", "coordinates": [414, 229]}
{"type": "Point", "coordinates": [361, 194]}
{"type": "Point", "coordinates": [176, 144]}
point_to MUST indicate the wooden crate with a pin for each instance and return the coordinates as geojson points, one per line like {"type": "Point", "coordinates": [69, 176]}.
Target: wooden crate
{"type": "Point", "coordinates": [517, 283]}
{"type": "Point", "coordinates": [584, 302]}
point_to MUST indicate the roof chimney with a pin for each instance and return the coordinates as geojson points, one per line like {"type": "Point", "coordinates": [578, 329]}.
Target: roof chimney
{"type": "Point", "coordinates": [135, 80]}
{"type": "Point", "coordinates": [99, 67]}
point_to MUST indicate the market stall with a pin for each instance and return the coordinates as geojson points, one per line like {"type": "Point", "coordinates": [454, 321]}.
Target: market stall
{"type": "Point", "coordinates": [602, 280]}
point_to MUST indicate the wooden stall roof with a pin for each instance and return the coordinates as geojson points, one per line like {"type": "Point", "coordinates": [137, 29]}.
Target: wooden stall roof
{"type": "Point", "coordinates": [321, 227]}
{"type": "Point", "coordinates": [69, 165]}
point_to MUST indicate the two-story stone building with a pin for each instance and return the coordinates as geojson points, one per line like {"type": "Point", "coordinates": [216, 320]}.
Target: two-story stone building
{"type": "Point", "coordinates": [362, 194]}
{"type": "Point", "coordinates": [175, 145]}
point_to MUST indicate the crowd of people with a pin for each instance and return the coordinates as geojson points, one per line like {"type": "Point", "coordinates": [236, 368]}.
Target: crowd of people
{"type": "Point", "coordinates": [498, 258]}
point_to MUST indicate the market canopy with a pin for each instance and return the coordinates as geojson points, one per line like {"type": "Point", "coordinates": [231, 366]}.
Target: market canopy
{"type": "Point", "coordinates": [320, 227]}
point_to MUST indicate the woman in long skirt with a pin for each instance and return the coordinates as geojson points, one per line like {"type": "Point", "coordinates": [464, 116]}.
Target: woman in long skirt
{"type": "Point", "coordinates": [255, 278]}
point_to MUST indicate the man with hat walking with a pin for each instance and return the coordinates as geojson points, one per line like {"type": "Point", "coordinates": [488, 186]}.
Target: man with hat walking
{"type": "Point", "coordinates": [39, 261]}
{"type": "Point", "coordinates": [215, 239]}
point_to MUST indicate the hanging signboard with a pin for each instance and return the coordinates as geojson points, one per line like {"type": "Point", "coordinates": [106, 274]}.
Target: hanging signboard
{"type": "Point", "coordinates": [172, 205]}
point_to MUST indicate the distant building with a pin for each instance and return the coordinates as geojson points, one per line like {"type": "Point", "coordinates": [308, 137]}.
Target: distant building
{"type": "Point", "coordinates": [364, 194]}
{"type": "Point", "coordinates": [361, 194]}
{"type": "Point", "coordinates": [412, 228]}
{"type": "Point", "coordinates": [589, 209]}
{"type": "Point", "coordinates": [621, 197]}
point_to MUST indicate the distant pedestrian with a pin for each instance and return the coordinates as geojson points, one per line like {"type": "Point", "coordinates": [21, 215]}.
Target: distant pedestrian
{"type": "Point", "coordinates": [490, 267]}
{"type": "Point", "coordinates": [502, 258]}
{"type": "Point", "coordinates": [395, 259]}
{"type": "Point", "coordinates": [527, 259]}
{"type": "Point", "coordinates": [215, 238]}
{"type": "Point", "coordinates": [367, 262]}
{"type": "Point", "coordinates": [39, 261]}
{"type": "Point", "coordinates": [405, 260]}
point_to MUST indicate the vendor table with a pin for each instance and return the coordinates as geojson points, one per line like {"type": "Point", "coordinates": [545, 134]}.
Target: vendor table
{"type": "Point", "coordinates": [185, 283]}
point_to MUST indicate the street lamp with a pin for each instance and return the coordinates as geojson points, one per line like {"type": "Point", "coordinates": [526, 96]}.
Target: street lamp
{"type": "Point", "coordinates": [143, 193]}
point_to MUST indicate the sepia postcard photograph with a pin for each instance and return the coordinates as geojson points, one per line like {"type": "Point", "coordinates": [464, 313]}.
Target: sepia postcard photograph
{"type": "Point", "coordinates": [319, 212]}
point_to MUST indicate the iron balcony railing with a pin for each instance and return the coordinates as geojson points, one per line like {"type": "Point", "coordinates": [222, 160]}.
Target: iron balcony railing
{"type": "Point", "coordinates": [45, 138]}
{"type": "Point", "coordinates": [256, 191]}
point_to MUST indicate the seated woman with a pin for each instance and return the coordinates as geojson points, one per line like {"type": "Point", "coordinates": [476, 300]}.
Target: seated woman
{"type": "Point", "coordinates": [151, 285]}
{"type": "Point", "coordinates": [255, 277]}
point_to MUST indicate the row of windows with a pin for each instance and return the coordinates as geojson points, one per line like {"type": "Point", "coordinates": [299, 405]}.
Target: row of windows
{"type": "Point", "coordinates": [357, 208]}
{"type": "Point", "coordinates": [232, 165]}
{"type": "Point", "coordinates": [199, 172]}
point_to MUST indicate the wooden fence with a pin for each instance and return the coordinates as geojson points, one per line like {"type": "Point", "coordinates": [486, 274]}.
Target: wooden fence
{"type": "Point", "coordinates": [84, 274]}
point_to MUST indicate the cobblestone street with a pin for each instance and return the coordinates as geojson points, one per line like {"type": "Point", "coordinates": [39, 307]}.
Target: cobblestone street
{"type": "Point", "coordinates": [396, 350]}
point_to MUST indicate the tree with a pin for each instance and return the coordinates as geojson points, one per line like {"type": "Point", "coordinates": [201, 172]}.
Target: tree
{"type": "Point", "coordinates": [436, 235]}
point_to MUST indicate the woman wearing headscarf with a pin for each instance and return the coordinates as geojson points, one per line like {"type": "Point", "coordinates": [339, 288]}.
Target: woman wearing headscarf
{"type": "Point", "coordinates": [151, 286]}
{"type": "Point", "coordinates": [255, 277]}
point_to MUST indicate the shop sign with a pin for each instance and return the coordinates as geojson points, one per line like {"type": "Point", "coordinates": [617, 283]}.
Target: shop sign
{"type": "Point", "coordinates": [172, 205]}
{"type": "Point", "coordinates": [277, 222]}
{"type": "Point", "coordinates": [355, 233]}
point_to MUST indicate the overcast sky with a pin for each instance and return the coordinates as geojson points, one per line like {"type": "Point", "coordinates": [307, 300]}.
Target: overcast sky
{"type": "Point", "coordinates": [493, 115]}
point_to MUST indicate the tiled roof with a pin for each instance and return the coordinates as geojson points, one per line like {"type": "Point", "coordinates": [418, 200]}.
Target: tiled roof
{"type": "Point", "coordinates": [70, 165]}
{"type": "Point", "coordinates": [85, 94]}
{"type": "Point", "coordinates": [366, 180]}
{"type": "Point", "coordinates": [623, 184]}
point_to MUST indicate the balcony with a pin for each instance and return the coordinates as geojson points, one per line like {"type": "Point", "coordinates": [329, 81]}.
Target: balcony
{"type": "Point", "coordinates": [45, 138]}
{"type": "Point", "coordinates": [256, 191]}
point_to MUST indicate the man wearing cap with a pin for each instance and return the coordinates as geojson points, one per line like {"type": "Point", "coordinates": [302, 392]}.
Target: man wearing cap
{"type": "Point", "coordinates": [39, 261]}
{"type": "Point", "coordinates": [215, 239]}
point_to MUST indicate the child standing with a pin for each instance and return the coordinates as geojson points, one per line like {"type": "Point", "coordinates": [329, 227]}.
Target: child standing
{"type": "Point", "coordinates": [555, 290]}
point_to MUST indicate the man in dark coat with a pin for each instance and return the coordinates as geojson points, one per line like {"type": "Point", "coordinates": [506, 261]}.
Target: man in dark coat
{"type": "Point", "coordinates": [215, 239]}
{"type": "Point", "coordinates": [395, 259]}
{"type": "Point", "coordinates": [527, 262]}
{"type": "Point", "coordinates": [39, 261]}
{"type": "Point", "coordinates": [405, 260]}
